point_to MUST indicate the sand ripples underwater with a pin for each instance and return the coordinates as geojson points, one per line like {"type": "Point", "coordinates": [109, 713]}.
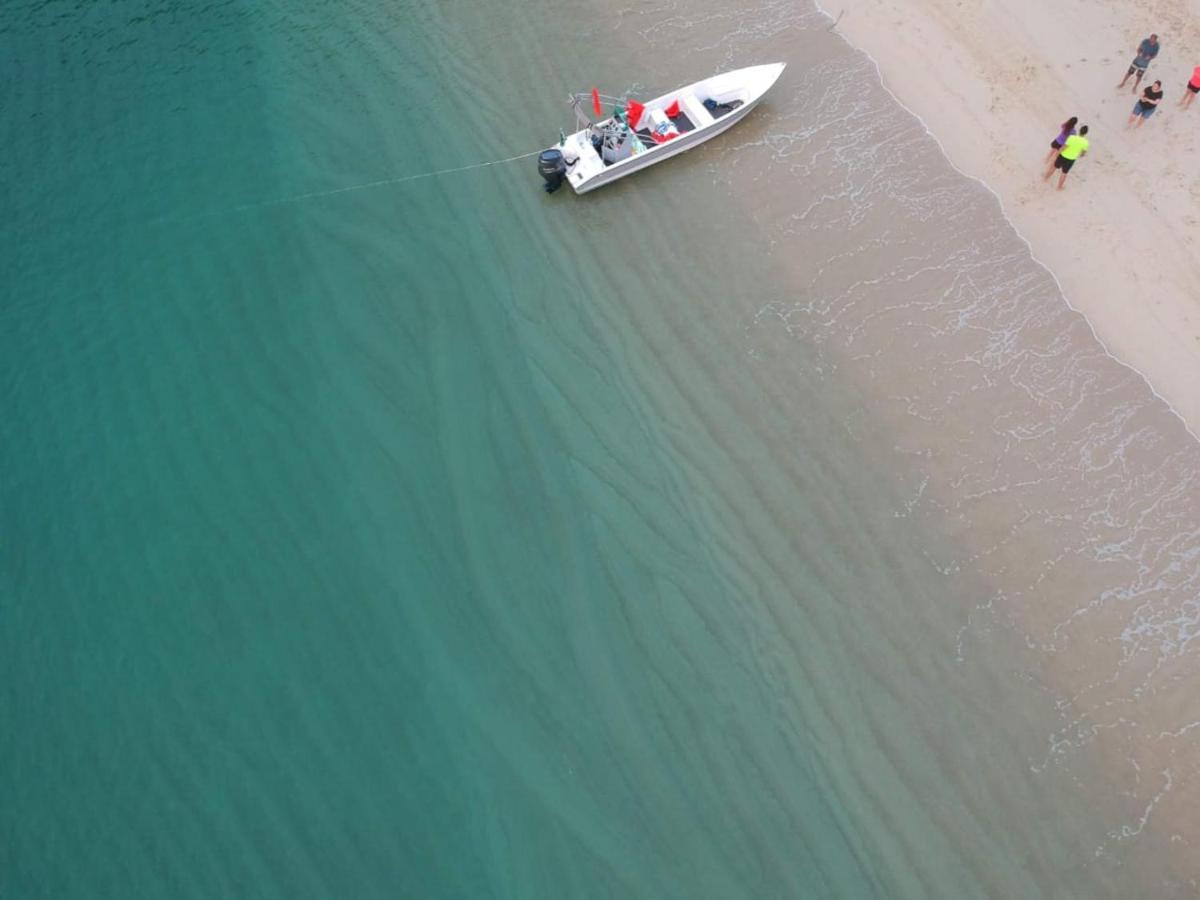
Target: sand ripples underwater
{"type": "Point", "coordinates": [766, 524]}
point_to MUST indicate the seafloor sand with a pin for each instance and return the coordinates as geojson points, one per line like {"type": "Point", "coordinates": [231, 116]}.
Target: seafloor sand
{"type": "Point", "coordinates": [765, 525]}
{"type": "Point", "coordinates": [993, 80]}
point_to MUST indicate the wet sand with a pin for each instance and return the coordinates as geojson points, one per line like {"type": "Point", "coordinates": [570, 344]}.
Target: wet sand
{"type": "Point", "coordinates": [992, 81]}
{"type": "Point", "coordinates": [1076, 490]}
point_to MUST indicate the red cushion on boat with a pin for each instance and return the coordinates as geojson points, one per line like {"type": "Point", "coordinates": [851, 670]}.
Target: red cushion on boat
{"type": "Point", "coordinates": [673, 110]}
{"type": "Point", "coordinates": [634, 110]}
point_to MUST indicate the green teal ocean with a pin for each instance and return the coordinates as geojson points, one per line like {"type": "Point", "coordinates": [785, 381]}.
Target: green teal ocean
{"type": "Point", "coordinates": [366, 536]}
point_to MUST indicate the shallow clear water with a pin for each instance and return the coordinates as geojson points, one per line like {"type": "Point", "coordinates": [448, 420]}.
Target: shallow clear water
{"type": "Point", "coordinates": [442, 538]}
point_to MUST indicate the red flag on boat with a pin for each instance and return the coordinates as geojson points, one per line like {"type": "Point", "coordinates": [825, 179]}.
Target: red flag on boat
{"type": "Point", "coordinates": [596, 103]}
{"type": "Point", "coordinates": [634, 111]}
{"type": "Point", "coordinates": [673, 110]}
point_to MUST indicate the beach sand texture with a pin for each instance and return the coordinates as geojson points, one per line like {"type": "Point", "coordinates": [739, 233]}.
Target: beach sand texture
{"type": "Point", "coordinates": [993, 80]}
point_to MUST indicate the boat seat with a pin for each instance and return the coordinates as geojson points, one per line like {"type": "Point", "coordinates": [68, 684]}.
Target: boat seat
{"type": "Point", "coordinates": [683, 123]}
{"type": "Point", "coordinates": [716, 110]}
{"type": "Point", "coordinates": [661, 127]}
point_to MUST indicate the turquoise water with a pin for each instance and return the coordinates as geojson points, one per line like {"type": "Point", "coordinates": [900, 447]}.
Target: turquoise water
{"type": "Point", "coordinates": [446, 539]}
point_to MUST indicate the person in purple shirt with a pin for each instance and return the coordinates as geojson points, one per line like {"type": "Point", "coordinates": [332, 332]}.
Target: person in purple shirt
{"type": "Point", "coordinates": [1146, 51]}
{"type": "Point", "coordinates": [1065, 130]}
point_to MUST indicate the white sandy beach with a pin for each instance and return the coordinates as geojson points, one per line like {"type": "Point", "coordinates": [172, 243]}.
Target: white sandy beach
{"type": "Point", "coordinates": [992, 80]}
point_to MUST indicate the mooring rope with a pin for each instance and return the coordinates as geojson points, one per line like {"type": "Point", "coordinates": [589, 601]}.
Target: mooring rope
{"type": "Point", "coordinates": [311, 195]}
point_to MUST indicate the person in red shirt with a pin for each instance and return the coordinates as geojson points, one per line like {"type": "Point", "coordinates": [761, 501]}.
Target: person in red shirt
{"type": "Point", "coordinates": [1193, 88]}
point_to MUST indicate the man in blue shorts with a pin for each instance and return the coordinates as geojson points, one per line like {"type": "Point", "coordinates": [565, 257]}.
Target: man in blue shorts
{"type": "Point", "coordinates": [1146, 51]}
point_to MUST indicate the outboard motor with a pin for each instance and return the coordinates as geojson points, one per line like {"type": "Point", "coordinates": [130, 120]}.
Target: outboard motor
{"type": "Point", "coordinates": [553, 168]}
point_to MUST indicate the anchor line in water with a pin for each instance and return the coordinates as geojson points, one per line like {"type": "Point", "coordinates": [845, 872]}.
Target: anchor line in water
{"type": "Point", "coordinates": [312, 195]}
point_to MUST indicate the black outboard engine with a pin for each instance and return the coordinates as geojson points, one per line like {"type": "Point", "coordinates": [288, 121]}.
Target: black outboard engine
{"type": "Point", "coordinates": [553, 168]}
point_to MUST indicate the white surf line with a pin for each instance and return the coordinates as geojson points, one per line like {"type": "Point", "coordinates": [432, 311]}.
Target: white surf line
{"type": "Point", "coordinates": [1127, 831]}
{"type": "Point", "coordinates": [1016, 230]}
{"type": "Point", "coordinates": [1179, 732]}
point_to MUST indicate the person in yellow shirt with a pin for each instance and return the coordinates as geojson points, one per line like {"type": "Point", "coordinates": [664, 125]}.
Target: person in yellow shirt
{"type": "Point", "coordinates": [1075, 147]}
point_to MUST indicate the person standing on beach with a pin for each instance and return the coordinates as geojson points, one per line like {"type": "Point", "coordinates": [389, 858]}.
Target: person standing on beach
{"type": "Point", "coordinates": [1146, 51]}
{"type": "Point", "coordinates": [1065, 130]}
{"type": "Point", "coordinates": [1144, 108]}
{"type": "Point", "coordinates": [1076, 146]}
{"type": "Point", "coordinates": [1193, 88]}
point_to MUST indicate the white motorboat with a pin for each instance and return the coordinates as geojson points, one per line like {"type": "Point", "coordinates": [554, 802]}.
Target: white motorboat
{"type": "Point", "coordinates": [641, 134]}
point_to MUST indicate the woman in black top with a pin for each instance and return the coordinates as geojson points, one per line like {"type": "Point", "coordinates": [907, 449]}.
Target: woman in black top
{"type": "Point", "coordinates": [1144, 108]}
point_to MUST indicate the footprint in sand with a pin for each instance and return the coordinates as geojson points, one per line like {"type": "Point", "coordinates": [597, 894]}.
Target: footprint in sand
{"type": "Point", "coordinates": [1029, 195]}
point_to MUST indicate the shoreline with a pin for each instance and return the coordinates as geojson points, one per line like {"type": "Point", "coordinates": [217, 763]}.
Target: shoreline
{"type": "Point", "coordinates": [1070, 234]}
{"type": "Point", "coordinates": [1147, 319]}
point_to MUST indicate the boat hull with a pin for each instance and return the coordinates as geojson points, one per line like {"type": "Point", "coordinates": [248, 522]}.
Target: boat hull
{"type": "Point", "coordinates": [674, 148]}
{"type": "Point", "coordinates": [587, 171]}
